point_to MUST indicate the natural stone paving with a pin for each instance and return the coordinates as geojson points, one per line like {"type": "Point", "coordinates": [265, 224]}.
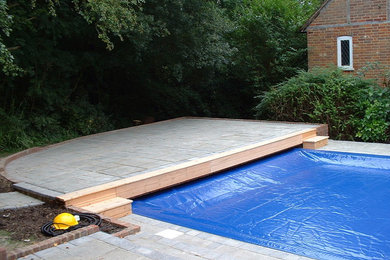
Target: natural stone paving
{"type": "Point", "coordinates": [196, 243]}
{"type": "Point", "coordinates": [158, 241]}
{"type": "Point", "coordinates": [110, 156]}
{"type": "Point", "coordinates": [13, 200]}
{"type": "Point", "coordinates": [358, 147]}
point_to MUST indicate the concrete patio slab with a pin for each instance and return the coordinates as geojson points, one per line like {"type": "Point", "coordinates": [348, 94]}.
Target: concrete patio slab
{"type": "Point", "coordinates": [14, 200]}
{"type": "Point", "coordinates": [148, 244]}
{"type": "Point", "coordinates": [107, 157]}
{"type": "Point", "coordinates": [357, 147]}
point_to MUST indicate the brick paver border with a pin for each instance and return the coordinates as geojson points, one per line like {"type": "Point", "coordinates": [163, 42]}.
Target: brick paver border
{"type": "Point", "coordinates": [129, 229]}
{"type": "Point", "coordinates": [54, 241]}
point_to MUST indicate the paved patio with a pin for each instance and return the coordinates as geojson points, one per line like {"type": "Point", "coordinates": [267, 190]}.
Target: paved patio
{"type": "Point", "coordinates": [357, 147]}
{"type": "Point", "coordinates": [160, 241]}
{"type": "Point", "coordinates": [103, 158]}
{"type": "Point", "coordinates": [98, 159]}
{"type": "Point", "coordinates": [12, 200]}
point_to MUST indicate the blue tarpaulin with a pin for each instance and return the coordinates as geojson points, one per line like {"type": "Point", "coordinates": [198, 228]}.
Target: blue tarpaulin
{"type": "Point", "coordinates": [325, 205]}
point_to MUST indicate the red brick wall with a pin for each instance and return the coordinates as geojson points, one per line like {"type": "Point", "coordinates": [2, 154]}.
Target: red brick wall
{"type": "Point", "coordinates": [333, 13]}
{"type": "Point", "coordinates": [368, 10]}
{"type": "Point", "coordinates": [371, 42]}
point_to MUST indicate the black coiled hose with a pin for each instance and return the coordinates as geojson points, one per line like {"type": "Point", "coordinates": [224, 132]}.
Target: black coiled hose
{"type": "Point", "coordinates": [86, 219]}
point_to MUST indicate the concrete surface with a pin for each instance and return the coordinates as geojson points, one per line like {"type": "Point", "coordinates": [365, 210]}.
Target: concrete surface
{"type": "Point", "coordinates": [357, 147]}
{"type": "Point", "coordinates": [103, 158]}
{"type": "Point", "coordinates": [13, 200]}
{"type": "Point", "coordinates": [158, 241]}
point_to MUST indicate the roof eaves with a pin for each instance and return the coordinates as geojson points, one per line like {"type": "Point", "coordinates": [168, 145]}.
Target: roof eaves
{"type": "Point", "coordinates": [314, 16]}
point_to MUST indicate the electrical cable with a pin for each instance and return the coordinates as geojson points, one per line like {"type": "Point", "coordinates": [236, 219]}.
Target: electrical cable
{"type": "Point", "coordinates": [86, 219]}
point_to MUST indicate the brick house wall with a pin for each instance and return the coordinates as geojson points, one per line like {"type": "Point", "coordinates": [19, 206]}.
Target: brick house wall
{"type": "Point", "coordinates": [366, 21]}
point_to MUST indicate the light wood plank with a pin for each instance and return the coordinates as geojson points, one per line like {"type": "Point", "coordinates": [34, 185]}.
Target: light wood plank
{"type": "Point", "coordinates": [115, 207]}
{"type": "Point", "coordinates": [91, 198]}
{"type": "Point", "coordinates": [315, 142]}
{"type": "Point", "coordinates": [107, 204]}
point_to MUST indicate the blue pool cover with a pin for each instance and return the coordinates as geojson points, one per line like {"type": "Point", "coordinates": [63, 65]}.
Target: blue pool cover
{"type": "Point", "coordinates": [320, 204]}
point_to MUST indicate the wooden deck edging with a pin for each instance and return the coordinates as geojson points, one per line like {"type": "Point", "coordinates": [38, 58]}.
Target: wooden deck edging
{"type": "Point", "coordinates": [159, 179]}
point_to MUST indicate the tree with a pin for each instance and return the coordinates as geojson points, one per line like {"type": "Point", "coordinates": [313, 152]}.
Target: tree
{"type": "Point", "coordinates": [75, 67]}
{"type": "Point", "coordinates": [160, 60]}
{"type": "Point", "coordinates": [6, 58]}
{"type": "Point", "coordinates": [271, 48]}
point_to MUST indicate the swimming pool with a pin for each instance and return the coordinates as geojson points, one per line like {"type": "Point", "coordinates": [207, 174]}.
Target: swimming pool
{"type": "Point", "coordinates": [319, 204]}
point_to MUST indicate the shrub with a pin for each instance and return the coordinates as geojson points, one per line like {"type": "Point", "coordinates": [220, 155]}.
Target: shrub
{"type": "Point", "coordinates": [375, 124]}
{"type": "Point", "coordinates": [354, 108]}
{"type": "Point", "coordinates": [84, 118]}
{"type": "Point", "coordinates": [13, 132]}
{"type": "Point", "coordinates": [20, 130]}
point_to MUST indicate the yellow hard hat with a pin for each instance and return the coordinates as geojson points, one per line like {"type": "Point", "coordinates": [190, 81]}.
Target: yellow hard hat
{"type": "Point", "coordinates": [64, 221]}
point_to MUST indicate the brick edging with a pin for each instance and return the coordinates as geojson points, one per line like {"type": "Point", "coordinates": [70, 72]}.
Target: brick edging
{"type": "Point", "coordinates": [129, 229]}
{"type": "Point", "coordinates": [3, 253]}
{"type": "Point", "coordinates": [54, 241]}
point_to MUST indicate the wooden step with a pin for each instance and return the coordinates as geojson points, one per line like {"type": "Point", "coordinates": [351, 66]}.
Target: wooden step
{"type": "Point", "coordinates": [315, 142]}
{"type": "Point", "coordinates": [115, 207]}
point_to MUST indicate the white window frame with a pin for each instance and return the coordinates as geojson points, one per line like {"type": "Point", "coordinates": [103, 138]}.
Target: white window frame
{"type": "Point", "coordinates": [345, 38]}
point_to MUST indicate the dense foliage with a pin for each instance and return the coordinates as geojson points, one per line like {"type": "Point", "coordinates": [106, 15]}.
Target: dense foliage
{"type": "Point", "coordinates": [71, 67]}
{"type": "Point", "coordinates": [354, 108]}
{"type": "Point", "coordinates": [271, 49]}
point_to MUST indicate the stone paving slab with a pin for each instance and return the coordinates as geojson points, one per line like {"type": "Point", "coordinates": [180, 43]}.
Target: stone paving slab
{"type": "Point", "coordinates": [37, 191]}
{"type": "Point", "coordinates": [198, 243]}
{"type": "Point", "coordinates": [14, 200]}
{"type": "Point", "coordinates": [150, 244]}
{"type": "Point", "coordinates": [98, 159]}
{"type": "Point", "coordinates": [357, 147]}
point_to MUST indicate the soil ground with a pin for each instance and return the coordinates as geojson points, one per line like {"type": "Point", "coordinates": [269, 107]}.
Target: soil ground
{"type": "Point", "coordinates": [5, 185]}
{"type": "Point", "coordinates": [22, 227]}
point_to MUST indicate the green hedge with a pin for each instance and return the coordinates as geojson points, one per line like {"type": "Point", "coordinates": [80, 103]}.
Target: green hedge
{"type": "Point", "coordinates": [353, 107]}
{"type": "Point", "coordinates": [21, 129]}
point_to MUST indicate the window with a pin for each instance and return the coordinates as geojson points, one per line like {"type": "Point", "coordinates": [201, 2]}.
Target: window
{"type": "Point", "coordinates": [345, 53]}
